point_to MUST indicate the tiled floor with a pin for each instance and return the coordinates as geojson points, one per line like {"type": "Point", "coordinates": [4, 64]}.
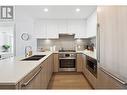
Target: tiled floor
{"type": "Point", "coordinates": [68, 80]}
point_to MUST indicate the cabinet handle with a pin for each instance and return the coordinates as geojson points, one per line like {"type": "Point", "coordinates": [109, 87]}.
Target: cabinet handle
{"type": "Point", "coordinates": [119, 80]}
{"type": "Point", "coordinates": [26, 83]}
{"type": "Point", "coordinates": [98, 43]}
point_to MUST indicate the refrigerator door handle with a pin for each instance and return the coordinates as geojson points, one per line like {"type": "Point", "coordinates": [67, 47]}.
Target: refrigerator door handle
{"type": "Point", "coordinates": [116, 78]}
{"type": "Point", "coordinates": [98, 43]}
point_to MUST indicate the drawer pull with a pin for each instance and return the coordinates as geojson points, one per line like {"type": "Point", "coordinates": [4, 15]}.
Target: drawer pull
{"type": "Point", "coordinates": [26, 83]}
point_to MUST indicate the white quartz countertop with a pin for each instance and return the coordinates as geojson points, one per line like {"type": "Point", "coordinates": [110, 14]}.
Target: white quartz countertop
{"type": "Point", "coordinates": [12, 70]}
{"type": "Point", "coordinates": [86, 52]}
{"type": "Point", "coordinates": [89, 53]}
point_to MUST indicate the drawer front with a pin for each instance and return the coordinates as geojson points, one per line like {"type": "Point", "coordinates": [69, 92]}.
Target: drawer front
{"type": "Point", "coordinates": [32, 80]}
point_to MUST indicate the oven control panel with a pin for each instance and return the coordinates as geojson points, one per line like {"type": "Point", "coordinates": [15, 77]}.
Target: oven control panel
{"type": "Point", "coordinates": [67, 55]}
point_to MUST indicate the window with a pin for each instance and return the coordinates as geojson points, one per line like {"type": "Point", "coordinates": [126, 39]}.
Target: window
{"type": "Point", "coordinates": [7, 38]}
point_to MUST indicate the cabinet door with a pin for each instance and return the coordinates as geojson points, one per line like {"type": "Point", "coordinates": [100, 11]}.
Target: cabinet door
{"type": "Point", "coordinates": [62, 26]}
{"type": "Point", "coordinates": [56, 63]}
{"type": "Point", "coordinates": [81, 26]}
{"type": "Point", "coordinates": [49, 68]}
{"type": "Point", "coordinates": [107, 19]}
{"type": "Point", "coordinates": [113, 21]}
{"type": "Point", "coordinates": [40, 29]}
{"type": "Point", "coordinates": [107, 82]}
{"type": "Point", "coordinates": [77, 27]}
{"type": "Point", "coordinates": [109, 38]}
{"type": "Point", "coordinates": [45, 74]}
{"type": "Point", "coordinates": [88, 74]}
{"type": "Point", "coordinates": [92, 25]}
{"type": "Point", "coordinates": [72, 26]}
{"type": "Point", "coordinates": [79, 63]}
{"type": "Point", "coordinates": [84, 64]}
{"type": "Point", "coordinates": [122, 42]}
{"type": "Point", "coordinates": [52, 29]}
{"type": "Point", "coordinates": [32, 81]}
{"type": "Point", "coordinates": [51, 65]}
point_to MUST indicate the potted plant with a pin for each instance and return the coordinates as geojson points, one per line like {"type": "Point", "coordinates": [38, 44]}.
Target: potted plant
{"type": "Point", "coordinates": [6, 47]}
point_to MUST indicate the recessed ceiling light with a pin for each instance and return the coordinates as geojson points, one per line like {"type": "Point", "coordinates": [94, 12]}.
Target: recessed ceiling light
{"type": "Point", "coordinates": [46, 10]}
{"type": "Point", "coordinates": [77, 10]}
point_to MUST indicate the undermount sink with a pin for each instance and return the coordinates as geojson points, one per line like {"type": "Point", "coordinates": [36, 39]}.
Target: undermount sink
{"type": "Point", "coordinates": [33, 58]}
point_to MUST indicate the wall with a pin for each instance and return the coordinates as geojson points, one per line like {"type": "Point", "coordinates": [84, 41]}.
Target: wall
{"type": "Point", "coordinates": [63, 42]}
{"type": "Point", "coordinates": [24, 24]}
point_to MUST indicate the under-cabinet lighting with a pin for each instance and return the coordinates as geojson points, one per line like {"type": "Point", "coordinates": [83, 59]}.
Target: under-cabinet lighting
{"type": "Point", "coordinates": [77, 10]}
{"type": "Point", "coordinates": [46, 10]}
{"type": "Point", "coordinates": [78, 40]}
{"type": "Point", "coordinates": [47, 40]}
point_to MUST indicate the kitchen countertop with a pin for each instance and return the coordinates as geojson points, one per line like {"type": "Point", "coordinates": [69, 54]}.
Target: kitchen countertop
{"type": "Point", "coordinates": [13, 70]}
{"type": "Point", "coordinates": [89, 53]}
{"type": "Point", "coordinates": [86, 52]}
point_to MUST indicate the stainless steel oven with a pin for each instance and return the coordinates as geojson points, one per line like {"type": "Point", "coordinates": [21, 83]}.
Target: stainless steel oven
{"type": "Point", "coordinates": [91, 65]}
{"type": "Point", "coordinates": [67, 61]}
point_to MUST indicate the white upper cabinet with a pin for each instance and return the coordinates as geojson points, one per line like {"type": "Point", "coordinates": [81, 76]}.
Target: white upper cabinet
{"type": "Point", "coordinates": [52, 29]}
{"type": "Point", "coordinates": [91, 25]}
{"type": "Point", "coordinates": [62, 26]}
{"type": "Point", "coordinates": [71, 26]}
{"type": "Point", "coordinates": [46, 29]}
{"type": "Point", "coordinates": [40, 29]}
{"type": "Point", "coordinates": [78, 27]}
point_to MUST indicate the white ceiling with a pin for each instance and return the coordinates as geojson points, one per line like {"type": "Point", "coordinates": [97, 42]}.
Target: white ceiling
{"type": "Point", "coordinates": [56, 12]}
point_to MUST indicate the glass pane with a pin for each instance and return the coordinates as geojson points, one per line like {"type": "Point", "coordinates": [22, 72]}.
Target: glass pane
{"type": "Point", "coordinates": [7, 39]}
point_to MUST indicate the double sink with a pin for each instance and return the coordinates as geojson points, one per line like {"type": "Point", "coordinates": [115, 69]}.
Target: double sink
{"type": "Point", "coordinates": [33, 58]}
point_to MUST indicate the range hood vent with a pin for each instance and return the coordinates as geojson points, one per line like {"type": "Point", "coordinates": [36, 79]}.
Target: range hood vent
{"type": "Point", "coordinates": [67, 35]}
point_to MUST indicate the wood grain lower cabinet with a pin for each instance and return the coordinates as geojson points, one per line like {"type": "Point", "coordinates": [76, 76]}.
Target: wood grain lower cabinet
{"type": "Point", "coordinates": [37, 79]}
{"type": "Point", "coordinates": [103, 81]}
{"type": "Point", "coordinates": [56, 63]}
{"type": "Point", "coordinates": [84, 63]}
{"type": "Point", "coordinates": [46, 72]}
{"type": "Point", "coordinates": [107, 82]}
{"type": "Point", "coordinates": [79, 63]}
{"type": "Point", "coordinates": [32, 80]}
{"type": "Point", "coordinates": [44, 75]}
{"type": "Point", "coordinates": [40, 77]}
{"type": "Point", "coordinates": [91, 78]}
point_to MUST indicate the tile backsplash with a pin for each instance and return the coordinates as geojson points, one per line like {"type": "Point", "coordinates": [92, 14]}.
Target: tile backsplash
{"type": "Point", "coordinates": [93, 40]}
{"type": "Point", "coordinates": [63, 42]}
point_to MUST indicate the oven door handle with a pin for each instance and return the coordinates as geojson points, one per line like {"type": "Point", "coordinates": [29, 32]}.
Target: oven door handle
{"type": "Point", "coordinates": [67, 58]}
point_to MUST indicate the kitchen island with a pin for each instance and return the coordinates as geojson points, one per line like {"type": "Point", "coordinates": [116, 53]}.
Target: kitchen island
{"type": "Point", "coordinates": [13, 70]}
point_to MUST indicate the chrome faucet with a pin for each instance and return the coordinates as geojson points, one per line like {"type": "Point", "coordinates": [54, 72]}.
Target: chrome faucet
{"type": "Point", "coordinates": [28, 54]}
